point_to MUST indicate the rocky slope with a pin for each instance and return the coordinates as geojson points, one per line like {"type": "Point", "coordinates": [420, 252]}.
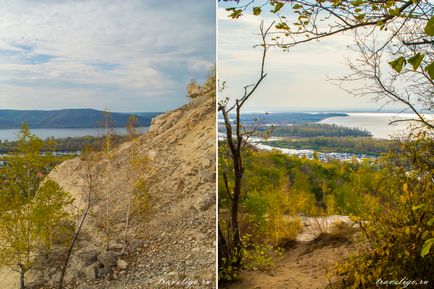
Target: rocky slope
{"type": "Point", "coordinates": [171, 236]}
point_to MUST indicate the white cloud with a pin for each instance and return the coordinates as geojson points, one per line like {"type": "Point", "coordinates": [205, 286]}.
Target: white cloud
{"type": "Point", "coordinates": [129, 45]}
{"type": "Point", "coordinates": [296, 79]}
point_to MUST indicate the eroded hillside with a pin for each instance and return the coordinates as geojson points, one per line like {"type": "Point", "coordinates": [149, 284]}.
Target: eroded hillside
{"type": "Point", "coordinates": [169, 173]}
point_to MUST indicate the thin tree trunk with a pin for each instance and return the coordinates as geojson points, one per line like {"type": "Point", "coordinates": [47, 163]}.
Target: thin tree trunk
{"type": "Point", "coordinates": [234, 216]}
{"type": "Point", "coordinates": [130, 129]}
{"type": "Point", "coordinates": [22, 273]}
{"type": "Point", "coordinates": [76, 234]}
{"type": "Point", "coordinates": [223, 249]}
{"type": "Point", "coordinates": [235, 142]}
{"type": "Point", "coordinates": [127, 223]}
{"type": "Point", "coordinates": [107, 223]}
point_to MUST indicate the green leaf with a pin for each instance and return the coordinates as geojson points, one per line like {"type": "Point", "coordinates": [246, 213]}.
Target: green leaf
{"type": "Point", "coordinates": [431, 222]}
{"type": "Point", "coordinates": [414, 208]}
{"type": "Point", "coordinates": [394, 12]}
{"type": "Point", "coordinates": [426, 247]}
{"type": "Point", "coordinates": [380, 23]}
{"type": "Point", "coordinates": [297, 6]}
{"type": "Point", "coordinates": [357, 3]}
{"type": "Point", "coordinates": [236, 13]}
{"type": "Point", "coordinates": [430, 70]}
{"type": "Point", "coordinates": [429, 28]}
{"type": "Point", "coordinates": [397, 64]}
{"type": "Point", "coordinates": [416, 60]}
{"type": "Point", "coordinates": [282, 26]}
{"type": "Point", "coordinates": [360, 16]}
{"type": "Point", "coordinates": [277, 7]}
{"type": "Point", "coordinates": [257, 11]}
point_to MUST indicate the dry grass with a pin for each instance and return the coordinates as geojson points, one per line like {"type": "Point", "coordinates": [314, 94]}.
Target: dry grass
{"type": "Point", "coordinates": [340, 233]}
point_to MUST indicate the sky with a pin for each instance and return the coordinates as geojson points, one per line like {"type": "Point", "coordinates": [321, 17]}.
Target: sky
{"type": "Point", "coordinates": [117, 55]}
{"type": "Point", "coordinates": [297, 80]}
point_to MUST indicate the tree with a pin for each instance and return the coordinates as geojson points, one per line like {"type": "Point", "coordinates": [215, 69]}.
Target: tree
{"type": "Point", "coordinates": [231, 248]}
{"type": "Point", "coordinates": [132, 136]}
{"type": "Point", "coordinates": [107, 151]}
{"type": "Point", "coordinates": [89, 189]}
{"type": "Point", "coordinates": [26, 166]}
{"type": "Point", "coordinates": [31, 211]}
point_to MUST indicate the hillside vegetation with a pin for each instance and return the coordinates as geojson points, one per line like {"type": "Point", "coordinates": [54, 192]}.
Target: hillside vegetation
{"type": "Point", "coordinates": [387, 199]}
{"type": "Point", "coordinates": [355, 145]}
{"type": "Point", "coordinates": [317, 129]}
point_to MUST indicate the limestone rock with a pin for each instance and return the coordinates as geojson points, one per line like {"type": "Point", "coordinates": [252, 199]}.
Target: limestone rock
{"type": "Point", "coordinates": [90, 272]}
{"type": "Point", "coordinates": [134, 245]}
{"type": "Point", "coordinates": [107, 259]}
{"type": "Point", "coordinates": [122, 265]}
{"type": "Point", "coordinates": [104, 271]}
{"type": "Point", "coordinates": [89, 256]}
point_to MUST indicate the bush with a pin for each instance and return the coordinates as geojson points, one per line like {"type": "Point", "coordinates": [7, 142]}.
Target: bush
{"type": "Point", "coordinates": [398, 223]}
{"type": "Point", "coordinates": [258, 256]}
{"type": "Point", "coordinates": [193, 89]}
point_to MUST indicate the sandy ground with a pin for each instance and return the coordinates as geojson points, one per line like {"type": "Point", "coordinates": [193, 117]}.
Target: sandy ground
{"type": "Point", "coordinates": [298, 269]}
{"type": "Point", "coordinates": [303, 266]}
{"type": "Point", "coordinates": [312, 226]}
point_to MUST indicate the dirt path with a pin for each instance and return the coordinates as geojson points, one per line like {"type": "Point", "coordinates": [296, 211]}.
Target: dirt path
{"type": "Point", "coordinates": [298, 269]}
{"type": "Point", "coordinates": [303, 266]}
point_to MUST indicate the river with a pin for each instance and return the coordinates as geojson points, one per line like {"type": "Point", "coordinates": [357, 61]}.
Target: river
{"type": "Point", "coordinates": [377, 123]}
{"type": "Point", "coordinates": [43, 133]}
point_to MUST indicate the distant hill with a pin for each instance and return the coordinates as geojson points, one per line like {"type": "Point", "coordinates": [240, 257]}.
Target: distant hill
{"type": "Point", "coordinates": [67, 118]}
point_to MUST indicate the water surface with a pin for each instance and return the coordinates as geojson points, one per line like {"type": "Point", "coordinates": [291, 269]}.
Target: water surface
{"type": "Point", "coordinates": [376, 123]}
{"type": "Point", "coordinates": [43, 133]}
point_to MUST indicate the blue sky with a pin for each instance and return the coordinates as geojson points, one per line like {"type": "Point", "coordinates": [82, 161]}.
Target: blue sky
{"type": "Point", "coordinates": [298, 80]}
{"type": "Point", "coordinates": [131, 55]}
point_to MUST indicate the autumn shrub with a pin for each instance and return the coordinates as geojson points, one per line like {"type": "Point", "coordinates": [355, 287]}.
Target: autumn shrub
{"type": "Point", "coordinates": [141, 205]}
{"type": "Point", "coordinates": [258, 256]}
{"type": "Point", "coordinates": [270, 222]}
{"type": "Point", "coordinates": [33, 211]}
{"type": "Point", "coordinates": [398, 224]}
{"type": "Point", "coordinates": [338, 232]}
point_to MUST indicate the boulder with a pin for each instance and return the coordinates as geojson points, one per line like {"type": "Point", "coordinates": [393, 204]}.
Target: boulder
{"type": "Point", "coordinates": [36, 284]}
{"type": "Point", "coordinates": [102, 272]}
{"type": "Point", "coordinates": [117, 247]}
{"type": "Point", "coordinates": [89, 256]}
{"type": "Point", "coordinates": [90, 272]}
{"type": "Point", "coordinates": [107, 259]}
{"type": "Point", "coordinates": [122, 265]}
{"type": "Point", "coordinates": [205, 202]}
{"type": "Point", "coordinates": [134, 245]}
